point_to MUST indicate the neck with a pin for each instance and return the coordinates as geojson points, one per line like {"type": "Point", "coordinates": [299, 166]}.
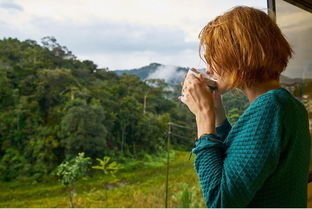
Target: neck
{"type": "Point", "coordinates": [253, 92]}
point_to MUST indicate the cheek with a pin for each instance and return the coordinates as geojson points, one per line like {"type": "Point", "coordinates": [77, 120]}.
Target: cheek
{"type": "Point", "coordinates": [222, 85]}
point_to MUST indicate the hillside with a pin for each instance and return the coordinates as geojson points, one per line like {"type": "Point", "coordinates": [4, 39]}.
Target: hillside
{"type": "Point", "coordinates": [174, 74]}
{"type": "Point", "coordinates": [171, 74]}
{"type": "Point", "coordinates": [54, 106]}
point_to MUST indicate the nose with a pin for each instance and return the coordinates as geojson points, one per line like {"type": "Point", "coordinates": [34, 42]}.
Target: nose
{"type": "Point", "coordinates": [209, 71]}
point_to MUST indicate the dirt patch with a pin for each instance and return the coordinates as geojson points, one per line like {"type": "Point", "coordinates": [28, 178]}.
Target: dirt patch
{"type": "Point", "coordinates": [114, 185]}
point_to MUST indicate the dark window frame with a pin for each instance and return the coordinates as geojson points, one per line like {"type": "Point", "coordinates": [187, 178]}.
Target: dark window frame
{"type": "Point", "coordinates": [302, 4]}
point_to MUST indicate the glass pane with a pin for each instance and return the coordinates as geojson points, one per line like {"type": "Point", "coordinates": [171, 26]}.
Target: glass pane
{"type": "Point", "coordinates": [296, 24]}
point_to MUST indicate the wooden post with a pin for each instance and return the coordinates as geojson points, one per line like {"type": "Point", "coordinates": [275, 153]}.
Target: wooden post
{"type": "Point", "coordinates": [167, 174]}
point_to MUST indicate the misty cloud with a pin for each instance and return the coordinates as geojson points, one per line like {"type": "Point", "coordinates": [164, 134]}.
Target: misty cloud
{"type": "Point", "coordinates": [11, 5]}
{"type": "Point", "coordinates": [168, 72]}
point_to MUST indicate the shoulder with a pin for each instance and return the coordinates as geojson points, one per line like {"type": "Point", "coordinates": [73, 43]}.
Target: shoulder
{"type": "Point", "coordinates": [276, 107]}
{"type": "Point", "coordinates": [289, 105]}
{"type": "Point", "coordinates": [279, 100]}
{"type": "Point", "coordinates": [264, 105]}
{"type": "Point", "coordinates": [263, 113]}
{"type": "Point", "coordinates": [273, 106]}
{"type": "Point", "coordinates": [293, 111]}
{"type": "Point", "coordinates": [261, 122]}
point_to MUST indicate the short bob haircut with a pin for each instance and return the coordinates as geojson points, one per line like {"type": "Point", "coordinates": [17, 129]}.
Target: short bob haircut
{"type": "Point", "coordinates": [247, 45]}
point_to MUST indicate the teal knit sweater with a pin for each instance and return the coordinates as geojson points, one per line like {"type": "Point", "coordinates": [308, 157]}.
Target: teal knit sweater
{"type": "Point", "coordinates": [262, 161]}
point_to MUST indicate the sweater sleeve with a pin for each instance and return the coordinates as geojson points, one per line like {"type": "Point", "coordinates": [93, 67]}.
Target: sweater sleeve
{"type": "Point", "coordinates": [223, 129]}
{"type": "Point", "coordinates": [230, 175]}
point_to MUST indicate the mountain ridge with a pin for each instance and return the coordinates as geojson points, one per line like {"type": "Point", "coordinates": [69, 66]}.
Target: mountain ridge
{"type": "Point", "coordinates": [148, 71]}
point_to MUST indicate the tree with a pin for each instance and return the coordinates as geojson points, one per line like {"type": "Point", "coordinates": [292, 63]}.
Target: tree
{"type": "Point", "coordinates": [82, 130]}
{"type": "Point", "coordinates": [59, 51]}
{"type": "Point", "coordinates": [70, 171]}
{"type": "Point", "coordinates": [108, 168]}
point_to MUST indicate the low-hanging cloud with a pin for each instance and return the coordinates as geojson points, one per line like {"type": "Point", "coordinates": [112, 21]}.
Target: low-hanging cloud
{"type": "Point", "coordinates": [169, 73]}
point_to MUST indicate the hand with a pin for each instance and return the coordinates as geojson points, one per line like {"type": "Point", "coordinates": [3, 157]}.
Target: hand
{"type": "Point", "coordinates": [199, 99]}
{"type": "Point", "coordinates": [220, 115]}
{"type": "Point", "coordinates": [197, 95]}
{"type": "Point", "coordinates": [219, 107]}
{"type": "Point", "coordinates": [216, 93]}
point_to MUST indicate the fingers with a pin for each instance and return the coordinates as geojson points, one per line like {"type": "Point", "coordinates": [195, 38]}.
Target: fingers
{"type": "Point", "coordinates": [201, 77]}
{"type": "Point", "coordinates": [192, 81]}
{"type": "Point", "coordinates": [190, 77]}
{"type": "Point", "coordinates": [194, 70]}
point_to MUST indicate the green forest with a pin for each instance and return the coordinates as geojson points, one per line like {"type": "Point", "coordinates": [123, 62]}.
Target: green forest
{"type": "Point", "coordinates": [54, 106]}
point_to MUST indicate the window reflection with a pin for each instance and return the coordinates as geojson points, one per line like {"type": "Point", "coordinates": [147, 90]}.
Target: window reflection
{"type": "Point", "coordinates": [296, 24]}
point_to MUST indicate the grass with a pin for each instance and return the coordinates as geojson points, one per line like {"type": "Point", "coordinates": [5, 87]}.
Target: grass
{"type": "Point", "coordinates": [145, 187]}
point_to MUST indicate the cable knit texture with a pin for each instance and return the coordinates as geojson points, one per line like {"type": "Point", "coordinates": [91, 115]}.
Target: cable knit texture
{"type": "Point", "coordinates": [262, 161]}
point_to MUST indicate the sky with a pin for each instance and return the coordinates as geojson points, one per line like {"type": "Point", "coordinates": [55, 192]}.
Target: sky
{"type": "Point", "coordinates": [296, 25]}
{"type": "Point", "coordinates": [118, 34]}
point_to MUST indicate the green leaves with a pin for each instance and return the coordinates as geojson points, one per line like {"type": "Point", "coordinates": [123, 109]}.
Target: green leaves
{"type": "Point", "coordinates": [54, 106]}
{"type": "Point", "coordinates": [72, 170]}
{"type": "Point", "coordinates": [82, 129]}
{"type": "Point", "coordinates": [109, 168]}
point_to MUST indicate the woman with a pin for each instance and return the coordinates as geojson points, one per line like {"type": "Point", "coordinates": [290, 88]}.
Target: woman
{"type": "Point", "coordinates": [262, 160]}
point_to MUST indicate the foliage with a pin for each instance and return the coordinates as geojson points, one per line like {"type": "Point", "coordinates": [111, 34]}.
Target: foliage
{"type": "Point", "coordinates": [54, 106]}
{"type": "Point", "coordinates": [11, 164]}
{"type": "Point", "coordinates": [235, 104]}
{"type": "Point", "coordinates": [72, 170]}
{"type": "Point", "coordinates": [109, 168]}
{"type": "Point", "coordinates": [186, 197]}
{"type": "Point", "coordinates": [83, 130]}
{"type": "Point", "coordinates": [145, 189]}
